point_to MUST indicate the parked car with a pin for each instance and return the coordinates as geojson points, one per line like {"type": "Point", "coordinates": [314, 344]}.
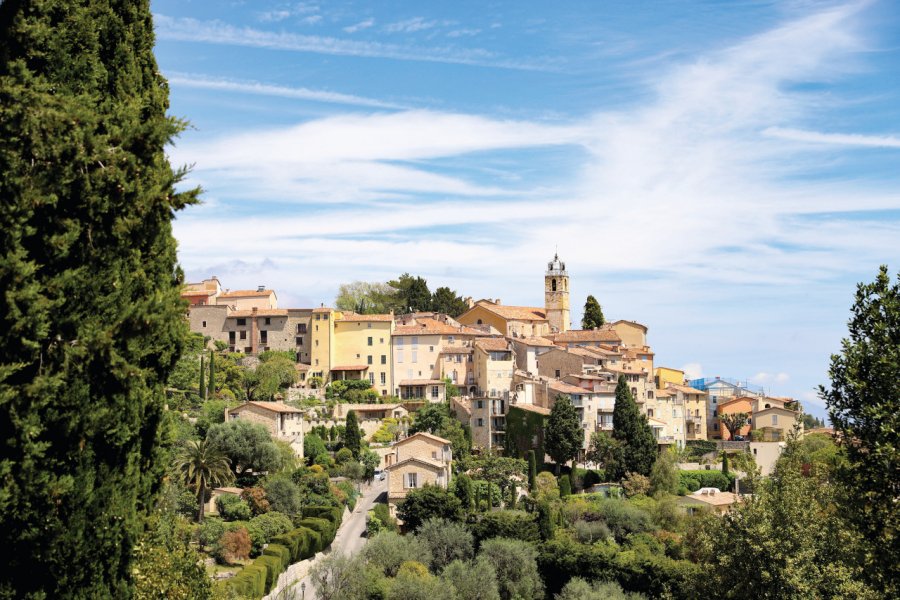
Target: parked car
{"type": "Point", "coordinates": [379, 475]}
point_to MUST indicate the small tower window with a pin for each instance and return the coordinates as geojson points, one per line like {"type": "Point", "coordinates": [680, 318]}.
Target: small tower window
{"type": "Point", "coordinates": [553, 285]}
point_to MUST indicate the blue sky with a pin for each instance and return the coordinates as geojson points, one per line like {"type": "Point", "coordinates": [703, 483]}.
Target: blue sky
{"type": "Point", "coordinates": [724, 172]}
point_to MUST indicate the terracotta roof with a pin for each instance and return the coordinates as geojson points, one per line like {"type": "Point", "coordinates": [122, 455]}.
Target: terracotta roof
{"type": "Point", "coordinates": [420, 459]}
{"type": "Point", "coordinates": [492, 344]}
{"type": "Point", "coordinates": [601, 350]}
{"type": "Point", "coordinates": [567, 388]}
{"type": "Point", "coordinates": [302, 367]}
{"type": "Point", "coordinates": [532, 408]}
{"type": "Point", "coordinates": [433, 327]}
{"type": "Point", "coordinates": [685, 389]}
{"type": "Point", "coordinates": [407, 382]}
{"type": "Point", "coordinates": [198, 294]}
{"type": "Point", "coordinates": [779, 409]}
{"type": "Point", "coordinates": [662, 393]}
{"type": "Point", "coordinates": [322, 309]}
{"type": "Point", "coordinates": [734, 399]}
{"type": "Point", "coordinates": [714, 499]}
{"type": "Point", "coordinates": [348, 316]}
{"type": "Point", "coordinates": [279, 407]}
{"type": "Point", "coordinates": [535, 341]}
{"type": "Point", "coordinates": [262, 312]}
{"type": "Point", "coordinates": [580, 351]}
{"type": "Point", "coordinates": [246, 294]}
{"type": "Point", "coordinates": [641, 325]}
{"type": "Point", "coordinates": [630, 370]}
{"type": "Point", "coordinates": [456, 350]}
{"type": "Point", "coordinates": [425, 435]}
{"type": "Point", "coordinates": [350, 368]}
{"type": "Point", "coordinates": [229, 490]}
{"type": "Point", "coordinates": [585, 335]}
{"type": "Point", "coordinates": [514, 313]}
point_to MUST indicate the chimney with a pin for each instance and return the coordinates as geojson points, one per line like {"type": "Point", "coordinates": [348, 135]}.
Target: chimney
{"type": "Point", "coordinates": [261, 288]}
{"type": "Point", "coordinates": [497, 301]}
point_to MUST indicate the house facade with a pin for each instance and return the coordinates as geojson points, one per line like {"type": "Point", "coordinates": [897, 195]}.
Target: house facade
{"type": "Point", "coordinates": [413, 462]}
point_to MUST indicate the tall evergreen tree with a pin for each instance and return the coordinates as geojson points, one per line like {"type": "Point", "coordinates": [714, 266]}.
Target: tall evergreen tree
{"type": "Point", "coordinates": [91, 322]}
{"type": "Point", "coordinates": [211, 384]}
{"type": "Point", "coordinates": [593, 314]}
{"type": "Point", "coordinates": [864, 406]}
{"type": "Point", "coordinates": [352, 436]}
{"type": "Point", "coordinates": [532, 470]}
{"type": "Point", "coordinates": [631, 428]}
{"type": "Point", "coordinates": [563, 436]}
{"type": "Point", "coordinates": [202, 389]}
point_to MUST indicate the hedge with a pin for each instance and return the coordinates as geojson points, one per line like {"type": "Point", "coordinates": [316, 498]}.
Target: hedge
{"type": "Point", "coordinates": [273, 569]}
{"type": "Point", "coordinates": [324, 527]}
{"type": "Point", "coordinates": [283, 553]}
{"type": "Point", "coordinates": [694, 480]}
{"type": "Point", "coordinates": [332, 513]}
{"type": "Point", "coordinates": [250, 581]}
{"type": "Point", "coordinates": [301, 542]}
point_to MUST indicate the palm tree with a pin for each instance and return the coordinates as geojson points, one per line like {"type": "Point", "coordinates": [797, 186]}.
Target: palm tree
{"type": "Point", "coordinates": [202, 465]}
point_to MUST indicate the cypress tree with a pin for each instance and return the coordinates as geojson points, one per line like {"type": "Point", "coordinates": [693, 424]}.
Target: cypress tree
{"type": "Point", "coordinates": [593, 314]}
{"type": "Point", "coordinates": [91, 322]}
{"type": "Point", "coordinates": [563, 436]}
{"type": "Point", "coordinates": [565, 486]}
{"type": "Point", "coordinates": [532, 471]}
{"type": "Point", "coordinates": [725, 463]}
{"type": "Point", "coordinates": [632, 429]}
{"type": "Point", "coordinates": [211, 384]}
{"type": "Point", "coordinates": [202, 390]}
{"type": "Point", "coordinates": [352, 436]}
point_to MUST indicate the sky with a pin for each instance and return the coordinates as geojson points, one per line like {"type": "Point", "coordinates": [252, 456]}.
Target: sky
{"type": "Point", "coordinates": [723, 172]}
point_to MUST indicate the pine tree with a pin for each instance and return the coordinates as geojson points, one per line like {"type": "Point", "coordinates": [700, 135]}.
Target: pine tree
{"type": "Point", "coordinates": [725, 463]}
{"type": "Point", "coordinates": [202, 389]}
{"type": "Point", "coordinates": [632, 429]}
{"type": "Point", "coordinates": [563, 437]}
{"type": "Point", "coordinates": [211, 384]}
{"type": "Point", "coordinates": [352, 436]}
{"type": "Point", "coordinates": [91, 322]}
{"type": "Point", "coordinates": [532, 470]}
{"type": "Point", "coordinates": [593, 314]}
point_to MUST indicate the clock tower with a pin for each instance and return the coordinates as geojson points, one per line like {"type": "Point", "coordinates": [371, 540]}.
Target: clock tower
{"type": "Point", "coordinates": [556, 295]}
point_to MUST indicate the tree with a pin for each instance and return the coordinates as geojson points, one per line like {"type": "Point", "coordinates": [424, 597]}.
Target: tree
{"type": "Point", "coordinates": [864, 406]}
{"type": "Point", "coordinates": [532, 470]}
{"type": "Point", "coordinates": [447, 542]}
{"type": "Point", "coordinates": [462, 487]}
{"type": "Point", "coordinates": [501, 471]}
{"type": "Point", "coordinates": [593, 314]}
{"type": "Point", "coordinates": [283, 495]}
{"type": "Point", "coordinates": [724, 463]}
{"type": "Point", "coordinates": [352, 434]}
{"type": "Point", "coordinates": [211, 385]}
{"type": "Point", "coordinates": [366, 297]}
{"type": "Point", "coordinates": [579, 589]}
{"type": "Point", "coordinates": [412, 293]}
{"type": "Point", "coordinates": [202, 465]}
{"type": "Point", "coordinates": [202, 386]}
{"type": "Point", "coordinates": [388, 550]}
{"type": "Point", "coordinates": [516, 564]}
{"type": "Point", "coordinates": [427, 502]}
{"type": "Point", "coordinates": [633, 431]}
{"type": "Point", "coordinates": [313, 447]}
{"type": "Point", "coordinates": [734, 422]}
{"type": "Point", "coordinates": [444, 300]}
{"type": "Point", "coordinates": [663, 476]}
{"type": "Point", "coordinates": [91, 320]}
{"type": "Point", "coordinates": [476, 580]}
{"type": "Point", "coordinates": [275, 374]}
{"type": "Point", "coordinates": [563, 436]}
{"type": "Point", "coordinates": [247, 444]}
{"type": "Point", "coordinates": [166, 566]}
{"type": "Point", "coordinates": [430, 418]}
{"type": "Point", "coordinates": [604, 451]}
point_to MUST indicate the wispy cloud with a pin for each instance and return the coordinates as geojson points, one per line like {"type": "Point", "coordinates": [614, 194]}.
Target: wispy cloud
{"type": "Point", "coordinates": [190, 80]}
{"type": "Point", "coordinates": [219, 32]}
{"type": "Point", "coordinates": [302, 9]}
{"type": "Point", "coordinates": [463, 33]}
{"type": "Point", "coordinates": [360, 26]}
{"type": "Point", "coordinates": [833, 139]}
{"type": "Point", "coordinates": [410, 25]}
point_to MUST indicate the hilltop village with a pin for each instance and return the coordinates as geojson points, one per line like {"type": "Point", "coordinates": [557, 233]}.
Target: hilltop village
{"type": "Point", "coordinates": [499, 367]}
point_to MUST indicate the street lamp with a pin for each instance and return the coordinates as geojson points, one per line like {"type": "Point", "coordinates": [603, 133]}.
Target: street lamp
{"type": "Point", "coordinates": [303, 590]}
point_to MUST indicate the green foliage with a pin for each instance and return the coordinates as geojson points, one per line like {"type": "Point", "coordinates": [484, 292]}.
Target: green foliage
{"type": "Point", "coordinates": [387, 432]}
{"type": "Point", "coordinates": [734, 422]}
{"type": "Point", "coordinates": [593, 314]}
{"type": "Point", "coordinates": [234, 545]}
{"type": "Point", "coordinates": [339, 577]}
{"type": "Point", "coordinates": [694, 480]}
{"type": "Point", "coordinates": [248, 446]}
{"type": "Point", "coordinates": [430, 418]}
{"type": "Point", "coordinates": [91, 321]}
{"type": "Point", "coordinates": [275, 374]}
{"type": "Point", "coordinates": [579, 589]}
{"type": "Point", "coordinates": [476, 580]}
{"type": "Point", "coordinates": [202, 466]}
{"type": "Point", "coordinates": [532, 469]}
{"type": "Point", "coordinates": [446, 301]}
{"type": "Point", "coordinates": [383, 513]}
{"type": "Point", "coordinates": [513, 524]}
{"type": "Point", "coordinates": [631, 429]}
{"type": "Point", "coordinates": [565, 486]}
{"type": "Point", "coordinates": [663, 475]}
{"type": "Point", "coordinates": [429, 502]}
{"type": "Point", "coordinates": [388, 550]}
{"type": "Point", "coordinates": [210, 531]}
{"type": "Point", "coordinates": [232, 508]}
{"type": "Point", "coordinates": [563, 436]}
{"type": "Point", "coordinates": [464, 490]}
{"type": "Point", "coordinates": [546, 487]}
{"type": "Point", "coordinates": [516, 567]}
{"type": "Point", "coordinates": [605, 451]}
{"type": "Point", "coordinates": [352, 434]}
{"type": "Point", "coordinates": [313, 447]}
{"type": "Point", "coordinates": [524, 432]}
{"type": "Point", "coordinates": [283, 494]}
{"type": "Point", "coordinates": [725, 463]}
{"type": "Point", "coordinates": [412, 294]}
{"type": "Point", "coordinates": [365, 298]}
{"type": "Point", "coordinates": [864, 406]}
{"type": "Point", "coordinates": [165, 564]}
{"type": "Point", "coordinates": [446, 542]}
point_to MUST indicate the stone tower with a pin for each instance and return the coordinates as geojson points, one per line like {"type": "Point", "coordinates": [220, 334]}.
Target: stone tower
{"type": "Point", "coordinates": [556, 295]}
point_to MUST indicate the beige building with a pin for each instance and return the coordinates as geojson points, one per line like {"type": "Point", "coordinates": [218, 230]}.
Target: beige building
{"type": "Point", "coordinates": [362, 349]}
{"type": "Point", "coordinates": [559, 362]}
{"type": "Point", "coordinates": [603, 336]}
{"type": "Point", "coordinates": [556, 295]}
{"type": "Point", "coordinates": [282, 421]}
{"type": "Point", "coordinates": [428, 349]}
{"type": "Point", "coordinates": [709, 499]}
{"type": "Point", "coordinates": [694, 404]}
{"type": "Point", "coordinates": [511, 321]}
{"type": "Point", "coordinates": [632, 333]}
{"type": "Point", "coordinates": [528, 349]}
{"type": "Point", "coordinates": [457, 363]}
{"type": "Point", "coordinates": [418, 460]}
{"type": "Point", "coordinates": [594, 406]}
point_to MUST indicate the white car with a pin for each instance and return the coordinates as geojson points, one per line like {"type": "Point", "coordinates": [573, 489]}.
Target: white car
{"type": "Point", "coordinates": [379, 475]}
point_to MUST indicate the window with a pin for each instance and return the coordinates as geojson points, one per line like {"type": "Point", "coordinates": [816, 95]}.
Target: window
{"type": "Point", "coordinates": [369, 325]}
{"type": "Point", "coordinates": [480, 423]}
{"type": "Point", "coordinates": [317, 342]}
{"type": "Point", "coordinates": [231, 337]}
{"type": "Point", "coordinates": [557, 373]}
{"type": "Point", "coordinates": [434, 455]}
{"type": "Point", "coordinates": [369, 359]}
{"type": "Point", "coordinates": [384, 359]}
{"type": "Point", "coordinates": [412, 480]}
{"type": "Point", "coordinates": [268, 321]}
{"type": "Point", "coordinates": [204, 323]}
{"type": "Point", "coordinates": [399, 355]}
{"type": "Point", "coordinates": [318, 317]}
{"type": "Point", "coordinates": [371, 378]}
{"type": "Point", "coordinates": [415, 356]}
{"type": "Point", "coordinates": [399, 342]}
{"type": "Point", "coordinates": [434, 391]}
{"type": "Point", "coordinates": [243, 335]}
{"type": "Point", "coordinates": [430, 348]}
{"type": "Point", "coordinates": [459, 358]}
{"type": "Point", "coordinates": [242, 322]}
{"type": "Point", "coordinates": [480, 403]}
{"type": "Point", "coordinates": [649, 412]}
{"type": "Point", "coordinates": [774, 419]}
{"type": "Point", "coordinates": [383, 379]}
{"type": "Point", "coordinates": [317, 362]}
{"type": "Point", "coordinates": [299, 340]}
{"type": "Point", "coordinates": [370, 341]}
{"type": "Point", "coordinates": [450, 339]}
{"type": "Point", "coordinates": [264, 337]}
{"type": "Point", "coordinates": [415, 341]}
{"type": "Point", "coordinates": [301, 327]}
{"type": "Point", "coordinates": [357, 355]}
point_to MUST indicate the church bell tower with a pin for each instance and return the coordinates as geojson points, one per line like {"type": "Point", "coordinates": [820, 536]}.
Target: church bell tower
{"type": "Point", "coordinates": [556, 295]}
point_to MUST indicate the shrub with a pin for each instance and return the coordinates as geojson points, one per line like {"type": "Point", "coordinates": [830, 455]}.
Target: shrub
{"type": "Point", "coordinates": [283, 494]}
{"type": "Point", "coordinates": [513, 524]}
{"type": "Point", "coordinates": [388, 550]}
{"type": "Point", "coordinates": [255, 497]}
{"type": "Point", "coordinates": [429, 502]}
{"type": "Point", "coordinates": [636, 484]}
{"type": "Point", "coordinates": [323, 527]}
{"type": "Point", "coordinates": [591, 478]}
{"type": "Point", "coordinates": [282, 553]}
{"type": "Point", "coordinates": [234, 545]}
{"type": "Point", "coordinates": [273, 569]}
{"type": "Point", "coordinates": [233, 508]}
{"type": "Point", "coordinates": [447, 542]}
{"type": "Point", "coordinates": [383, 514]}
{"type": "Point", "coordinates": [565, 486]}
{"type": "Point", "coordinates": [210, 531]}
{"type": "Point", "coordinates": [343, 455]}
{"type": "Point", "coordinates": [588, 532]}
{"type": "Point", "coordinates": [694, 480]}
{"type": "Point", "coordinates": [623, 518]}
{"type": "Point", "coordinates": [374, 526]}
{"type": "Point", "coordinates": [250, 582]}
{"type": "Point", "coordinates": [332, 513]}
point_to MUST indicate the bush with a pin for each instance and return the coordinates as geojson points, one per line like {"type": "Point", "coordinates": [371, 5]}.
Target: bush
{"type": "Point", "coordinates": [325, 529]}
{"type": "Point", "coordinates": [447, 542]}
{"type": "Point", "coordinates": [694, 480]}
{"type": "Point", "coordinates": [301, 542]}
{"type": "Point", "coordinates": [283, 494]}
{"type": "Point", "coordinates": [273, 569]}
{"type": "Point", "coordinates": [429, 502]}
{"type": "Point", "coordinates": [332, 513]}
{"type": "Point", "coordinates": [383, 514]}
{"type": "Point", "coordinates": [565, 486]}
{"type": "Point", "coordinates": [250, 582]}
{"type": "Point", "coordinates": [210, 531]}
{"type": "Point", "coordinates": [591, 478]}
{"type": "Point", "coordinates": [636, 484]}
{"type": "Point", "coordinates": [623, 518]}
{"type": "Point", "coordinates": [513, 524]}
{"type": "Point", "coordinates": [282, 553]}
{"type": "Point", "coordinates": [234, 545]}
{"type": "Point", "coordinates": [388, 550]}
{"type": "Point", "coordinates": [233, 508]}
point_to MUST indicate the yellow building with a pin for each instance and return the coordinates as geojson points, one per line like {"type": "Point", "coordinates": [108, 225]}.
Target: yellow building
{"type": "Point", "coordinates": [512, 321]}
{"type": "Point", "coordinates": [632, 333]}
{"type": "Point", "coordinates": [666, 375]}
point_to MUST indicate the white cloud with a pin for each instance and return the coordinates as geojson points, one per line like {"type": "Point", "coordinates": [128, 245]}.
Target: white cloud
{"type": "Point", "coordinates": [410, 25]}
{"type": "Point", "coordinates": [360, 26]}
{"type": "Point", "coordinates": [763, 378]}
{"type": "Point", "coordinates": [693, 370]}
{"type": "Point", "coordinates": [838, 139]}
{"type": "Point", "coordinates": [191, 80]}
{"type": "Point", "coordinates": [219, 32]}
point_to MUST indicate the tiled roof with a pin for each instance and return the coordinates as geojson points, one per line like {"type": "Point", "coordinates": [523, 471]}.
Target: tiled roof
{"type": "Point", "coordinates": [456, 350]}
{"type": "Point", "coordinates": [585, 335]}
{"type": "Point", "coordinates": [198, 294]}
{"type": "Point", "coordinates": [492, 344]}
{"type": "Point", "coordinates": [433, 327]}
{"type": "Point", "coordinates": [714, 499]}
{"type": "Point", "coordinates": [514, 313]}
{"type": "Point", "coordinates": [420, 459]}
{"type": "Point", "coordinates": [663, 393]}
{"type": "Point", "coordinates": [246, 294]}
{"type": "Point", "coordinates": [684, 389]}
{"type": "Point", "coordinates": [408, 382]}
{"type": "Point", "coordinates": [566, 388]}
{"type": "Point", "coordinates": [279, 407]}
{"type": "Point", "coordinates": [641, 325]}
{"type": "Point", "coordinates": [322, 309]}
{"type": "Point", "coordinates": [583, 352]}
{"type": "Point", "coordinates": [350, 368]}
{"type": "Point", "coordinates": [535, 341]}
{"type": "Point", "coordinates": [628, 370]}
{"type": "Point", "coordinates": [230, 490]}
{"type": "Point", "coordinates": [532, 408]}
{"type": "Point", "coordinates": [425, 435]}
